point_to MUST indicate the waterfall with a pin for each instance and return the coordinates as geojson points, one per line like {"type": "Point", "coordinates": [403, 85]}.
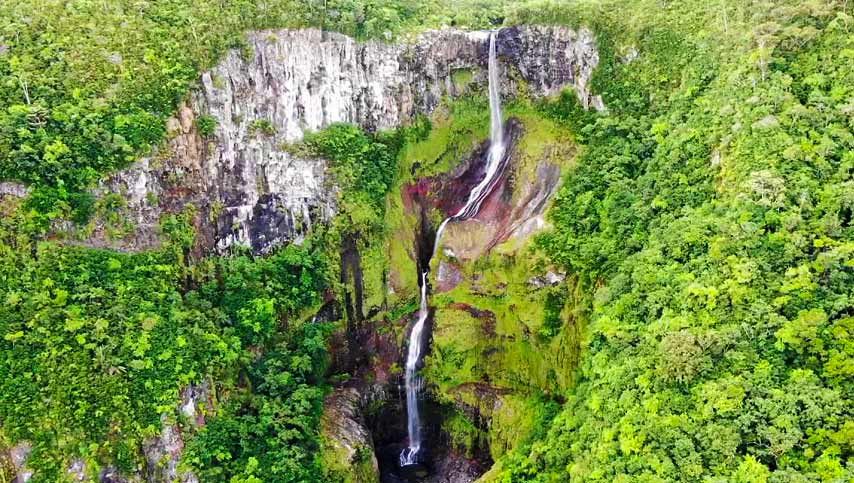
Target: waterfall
{"type": "Point", "coordinates": [413, 380]}
{"type": "Point", "coordinates": [409, 456]}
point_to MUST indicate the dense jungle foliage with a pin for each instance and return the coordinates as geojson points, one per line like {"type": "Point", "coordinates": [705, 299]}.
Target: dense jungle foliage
{"type": "Point", "coordinates": [709, 222]}
{"type": "Point", "coordinates": [97, 345]}
{"type": "Point", "coordinates": [710, 217]}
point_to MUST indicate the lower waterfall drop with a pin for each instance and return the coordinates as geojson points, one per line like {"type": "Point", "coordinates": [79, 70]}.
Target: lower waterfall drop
{"type": "Point", "coordinates": [495, 156]}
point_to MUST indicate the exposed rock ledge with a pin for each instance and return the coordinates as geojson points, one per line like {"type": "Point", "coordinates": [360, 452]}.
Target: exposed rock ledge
{"type": "Point", "coordinates": [249, 190]}
{"type": "Point", "coordinates": [348, 447]}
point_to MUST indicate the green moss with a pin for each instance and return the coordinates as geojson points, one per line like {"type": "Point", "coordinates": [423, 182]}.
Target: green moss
{"type": "Point", "coordinates": [464, 435]}
{"type": "Point", "coordinates": [494, 475]}
{"type": "Point", "coordinates": [517, 421]}
{"type": "Point", "coordinates": [461, 79]}
{"type": "Point", "coordinates": [512, 352]}
{"type": "Point", "coordinates": [374, 272]}
{"type": "Point", "coordinates": [459, 342]}
{"type": "Point", "coordinates": [458, 128]}
{"type": "Point", "coordinates": [342, 465]}
{"type": "Point", "coordinates": [493, 330]}
{"type": "Point", "coordinates": [400, 226]}
{"type": "Point", "coordinates": [542, 138]}
{"type": "Point", "coordinates": [527, 347]}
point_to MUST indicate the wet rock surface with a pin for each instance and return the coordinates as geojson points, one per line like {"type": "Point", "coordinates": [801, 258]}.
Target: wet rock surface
{"type": "Point", "coordinates": [448, 467]}
{"type": "Point", "coordinates": [77, 470]}
{"type": "Point", "coordinates": [514, 210]}
{"type": "Point", "coordinates": [245, 185]}
{"type": "Point", "coordinates": [448, 276]}
{"type": "Point", "coordinates": [163, 453]}
{"type": "Point", "coordinates": [112, 475]}
{"type": "Point", "coordinates": [453, 467]}
{"type": "Point", "coordinates": [551, 58]}
{"type": "Point", "coordinates": [364, 409]}
{"type": "Point", "coordinates": [449, 192]}
{"type": "Point", "coordinates": [364, 419]}
{"type": "Point", "coordinates": [16, 190]}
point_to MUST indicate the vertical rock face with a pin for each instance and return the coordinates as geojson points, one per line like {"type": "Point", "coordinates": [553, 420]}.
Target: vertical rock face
{"type": "Point", "coordinates": [348, 449]}
{"type": "Point", "coordinates": [163, 452]}
{"type": "Point", "coordinates": [249, 189]}
{"type": "Point", "coordinates": [551, 58]}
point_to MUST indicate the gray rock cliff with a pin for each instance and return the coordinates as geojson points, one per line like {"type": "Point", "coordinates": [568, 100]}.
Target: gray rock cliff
{"type": "Point", "coordinates": [246, 186]}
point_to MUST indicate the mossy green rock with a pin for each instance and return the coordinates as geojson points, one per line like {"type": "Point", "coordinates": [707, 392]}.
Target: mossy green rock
{"type": "Point", "coordinates": [347, 451]}
{"type": "Point", "coordinates": [503, 343]}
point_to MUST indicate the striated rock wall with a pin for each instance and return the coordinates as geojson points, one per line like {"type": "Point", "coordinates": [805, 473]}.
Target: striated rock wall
{"type": "Point", "coordinates": [249, 189]}
{"type": "Point", "coordinates": [347, 444]}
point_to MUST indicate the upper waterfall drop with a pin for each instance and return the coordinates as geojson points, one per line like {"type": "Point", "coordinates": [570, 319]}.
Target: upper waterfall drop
{"type": "Point", "coordinates": [495, 156]}
{"type": "Point", "coordinates": [496, 145]}
{"type": "Point", "coordinates": [497, 149]}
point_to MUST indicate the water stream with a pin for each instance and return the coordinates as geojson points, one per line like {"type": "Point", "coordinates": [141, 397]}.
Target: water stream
{"type": "Point", "coordinates": [409, 456]}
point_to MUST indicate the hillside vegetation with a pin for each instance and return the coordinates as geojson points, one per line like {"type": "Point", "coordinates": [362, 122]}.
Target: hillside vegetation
{"type": "Point", "coordinates": [710, 218]}
{"type": "Point", "coordinates": [706, 226]}
{"type": "Point", "coordinates": [96, 344]}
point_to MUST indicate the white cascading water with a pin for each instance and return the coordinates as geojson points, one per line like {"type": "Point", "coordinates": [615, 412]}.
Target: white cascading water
{"type": "Point", "coordinates": [409, 456]}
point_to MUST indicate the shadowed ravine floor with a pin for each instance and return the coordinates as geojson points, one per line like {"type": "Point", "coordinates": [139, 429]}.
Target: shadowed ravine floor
{"type": "Point", "coordinates": [441, 463]}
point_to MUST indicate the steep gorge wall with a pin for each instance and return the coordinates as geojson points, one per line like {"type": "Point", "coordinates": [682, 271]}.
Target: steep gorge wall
{"type": "Point", "coordinates": [505, 327]}
{"type": "Point", "coordinates": [249, 188]}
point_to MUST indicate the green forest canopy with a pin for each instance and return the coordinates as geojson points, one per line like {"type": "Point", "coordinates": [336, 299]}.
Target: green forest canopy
{"type": "Point", "coordinates": [709, 220]}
